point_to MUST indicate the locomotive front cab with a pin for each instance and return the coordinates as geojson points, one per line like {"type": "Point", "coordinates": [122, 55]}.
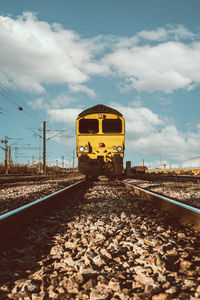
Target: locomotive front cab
{"type": "Point", "coordinates": [100, 142]}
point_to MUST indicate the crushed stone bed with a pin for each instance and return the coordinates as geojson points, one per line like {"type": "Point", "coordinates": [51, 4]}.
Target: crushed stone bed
{"type": "Point", "coordinates": [104, 243]}
{"type": "Point", "coordinates": [15, 196]}
{"type": "Point", "coordinates": [188, 193]}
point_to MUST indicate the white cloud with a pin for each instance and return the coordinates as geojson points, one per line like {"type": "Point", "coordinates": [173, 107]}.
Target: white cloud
{"type": "Point", "coordinates": [168, 81]}
{"type": "Point", "coordinates": [137, 102]}
{"type": "Point", "coordinates": [170, 144]}
{"type": "Point", "coordinates": [157, 35]}
{"type": "Point", "coordinates": [67, 138]}
{"type": "Point", "coordinates": [171, 32]}
{"type": "Point", "coordinates": [37, 104]}
{"type": "Point", "coordinates": [149, 134]}
{"type": "Point", "coordinates": [65, 115]}
{"type": "Point", "coordinates": [139, 121]}
{"type": "Point", "coordinates": [179, 32]}
{"type": "Point", "coordinates": [198, 127]}
{"type": "Point", "coordinates": [82, 88]}
{"type": "Point", "coordinates": [164, 67]}
{"type": "Point", "coordinates": [36, 54]}
{"type": "Point", "coordinates": [62, 100]}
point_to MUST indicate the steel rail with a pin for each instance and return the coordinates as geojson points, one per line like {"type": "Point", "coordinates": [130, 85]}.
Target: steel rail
{"type": "Point", "coordinates": [166, 177]}
{"type": "Point", "coordinates": [22, 178]}
{"type": "Point", "coordinates": [184, 213]}
{"type": "Point", "coordinates": [15, 218]}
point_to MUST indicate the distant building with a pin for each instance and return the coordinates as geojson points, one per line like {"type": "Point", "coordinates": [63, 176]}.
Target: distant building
{"type": "Point", "coordinates": [193, 162]}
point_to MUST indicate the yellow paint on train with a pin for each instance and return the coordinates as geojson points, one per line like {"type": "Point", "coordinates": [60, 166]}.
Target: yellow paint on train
{"type": "Point", "coordinates": [100, 133]}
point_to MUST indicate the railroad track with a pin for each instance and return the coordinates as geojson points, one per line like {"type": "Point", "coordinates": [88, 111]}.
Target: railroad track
{"type": "Point", "coordinates": [186, 214]}
{"type": "Point", "coordinates": [30, 178]}
{"type": "Point", "coordinates": [103, 242]}
{"type": "Point", "coordinates": [166, 177]}
{"type": "Point", "coordinates": [13, 220]}
{"type": "Point", "coordinates": [13, 179]}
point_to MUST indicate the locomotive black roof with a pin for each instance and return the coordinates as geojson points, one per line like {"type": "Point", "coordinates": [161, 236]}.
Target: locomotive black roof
{"type": "Point", "coordinates": [99, 108]}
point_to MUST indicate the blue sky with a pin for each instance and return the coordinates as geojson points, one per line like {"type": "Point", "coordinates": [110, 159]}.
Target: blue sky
{"type": "Point", "coordinates": [140, 57]}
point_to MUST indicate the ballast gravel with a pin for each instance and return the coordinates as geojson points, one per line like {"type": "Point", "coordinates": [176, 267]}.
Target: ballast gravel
{"type": "Point", "coordinates": [13, 197]}
{"type": "Point", "coordinates": [188, 193]}
{"type": "Point", "coordinates": [104, 243]}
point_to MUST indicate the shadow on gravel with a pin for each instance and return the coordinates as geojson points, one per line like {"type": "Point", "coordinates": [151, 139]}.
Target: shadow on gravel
{"type": "Point", "coordinates": [20, 254]}
{"type": "Point", "coordinates": [29, 252]}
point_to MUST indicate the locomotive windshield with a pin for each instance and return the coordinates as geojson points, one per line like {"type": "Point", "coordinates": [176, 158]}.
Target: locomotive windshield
{"type": "Point", "coordinates": [112, 125]}
{"type": "Point", "coordinates": [88, 126]}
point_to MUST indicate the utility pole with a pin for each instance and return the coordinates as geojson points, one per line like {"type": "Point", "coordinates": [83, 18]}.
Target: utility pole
{"type": "Point", "coordinates": [6, 153]}
{"type": "Point", "coordinates": [7, 150]}
{"type": "Point", "coordinates": [9, 156]}
{"type": "Point", "coordinates": [58, 132]}
{"type": "Point", "coordinates": [62, 162]}
{"type": "Point", "coordinates": [44, 148]}
{"type": "Point", "coordinates": [33, 161]}
{"type": "Point", "coordinates": [69, 161]}
{"type": "Point", "coordinates": [73, 159]}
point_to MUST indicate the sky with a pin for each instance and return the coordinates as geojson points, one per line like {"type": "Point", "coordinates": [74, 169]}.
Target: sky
{"type": "Point", "coordinates": [140, 57]}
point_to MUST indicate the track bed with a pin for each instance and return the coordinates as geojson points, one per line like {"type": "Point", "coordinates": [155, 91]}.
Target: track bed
{"type": "Point", "coordinates": [185, 192]}
{"type": "Point", "coordinates": [102, 243]}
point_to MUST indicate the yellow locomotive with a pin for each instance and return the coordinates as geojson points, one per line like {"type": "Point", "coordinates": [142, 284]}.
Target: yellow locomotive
{"type": "Point", "coordinates": [100, 132]}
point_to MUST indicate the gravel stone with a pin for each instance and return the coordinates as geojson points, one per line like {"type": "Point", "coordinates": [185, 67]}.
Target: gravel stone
{"type": "Point", "coordinates": [103, 243]}
{"type": "Point", "coordinates": [181, 235]}
{"type": "Point", "coordinates": [184, 192]}
{"type": "Point", "coordinates": [13, 197]}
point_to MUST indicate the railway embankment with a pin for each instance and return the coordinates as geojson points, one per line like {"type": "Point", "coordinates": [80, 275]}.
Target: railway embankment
{"type": "Point", "coordinates": [103, 243]}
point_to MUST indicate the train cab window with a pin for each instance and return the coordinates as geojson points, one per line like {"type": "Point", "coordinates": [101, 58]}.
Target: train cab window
{"type": "Point", "coordinates": [88, 126]}
{"type": "Point", "coordinates": [112, 125]}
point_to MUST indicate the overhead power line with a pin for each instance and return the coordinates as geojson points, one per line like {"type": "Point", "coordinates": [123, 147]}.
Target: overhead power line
{"type": "Point", "coordinates": [43, 137]}
{"type": "Point", "coordinates": [7, 150]}
{"type": "Point", "coordinates": [13, 98]}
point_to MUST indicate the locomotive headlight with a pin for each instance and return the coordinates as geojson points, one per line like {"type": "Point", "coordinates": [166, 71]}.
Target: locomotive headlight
{"type": "Point", "coordinates": [81, 149]}
{"type": "Point", "coordinates": [86, 147]}
{"type": "Point", "coordinates": [119, 148]}
{"type": "Point", "coordinates": [114, 147]}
